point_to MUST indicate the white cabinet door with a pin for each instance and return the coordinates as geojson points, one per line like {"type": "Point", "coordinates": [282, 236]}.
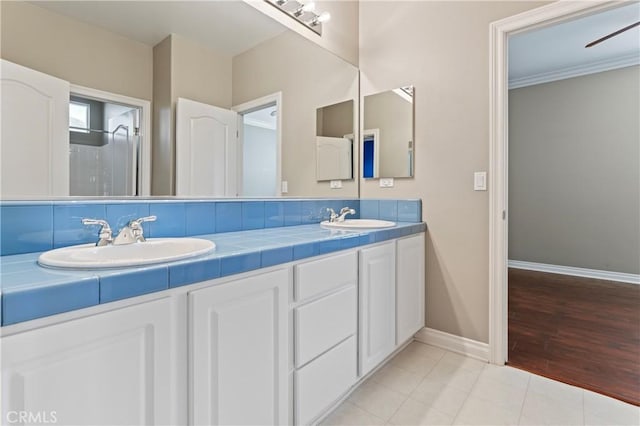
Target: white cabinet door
{"type": "Point", "coordinates": [409, 287]}
{"type": "Point", "coordinates": [113, 368]}
{"type": "Point", "coordinates": [34, 140]}
{"type": "Point", "coordinates": [377, 316]}
{"type": "Point", "coordinates": [205, 149]}
{"type": "Point", "coordinates": [239, 348]}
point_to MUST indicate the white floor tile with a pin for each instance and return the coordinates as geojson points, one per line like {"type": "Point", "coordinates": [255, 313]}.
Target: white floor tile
{"type": "Point", "coordinates": [414, 362]}
{"type": "Point", "coordinates": [440, 396]}
{"type": "Point", "coordinates": [454, 375]}
{"type": "Point", "coordinates": [397, 379]}
{"type": "Point", "coordinates": [425, 350]}
{"type": "Point", "coordinates": [378, 400]}
{"type": "Point", "coordinates": [499, 393]}
{"type": "Point", "coordinates": [462, 361]}
{"type": "Point", "coordinates": [507, 375]}
{"type": "Point", "coordinates": [349, 414]}
{"type": "Point", "coordinates": [602, 410]}
{"type": "Point", "coordinates": [413, 412]}
{"type": "Point", "coordinates": [559, 407]}
{"type": "Point", "coordinates": [558, 391]}
{"type": "Point", "coordinates": [477, 411]}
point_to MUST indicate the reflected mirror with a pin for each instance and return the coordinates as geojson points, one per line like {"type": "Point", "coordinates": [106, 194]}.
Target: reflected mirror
{"type": "Point", "coordinates": [387, 138]}
{"type": "Point", "coordinates": [187, 81]}
{"type": "Point", "coordinates": [334, 141]}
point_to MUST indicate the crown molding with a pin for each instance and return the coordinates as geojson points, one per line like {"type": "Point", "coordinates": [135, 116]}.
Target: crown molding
{"type": "Point", "coordinates": [576, 71]}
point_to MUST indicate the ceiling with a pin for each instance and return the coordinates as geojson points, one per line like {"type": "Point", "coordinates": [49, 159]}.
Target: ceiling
{"type": "Point", "coordinates": [265, 118]}
{"type": "Point", "coordinates": [559, 49]}
{"type": "Point", "coordinates": [231, 27]}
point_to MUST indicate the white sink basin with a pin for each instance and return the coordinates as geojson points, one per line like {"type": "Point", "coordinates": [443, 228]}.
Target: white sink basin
{"type": "Point", "coordinates": [358, 224]}
{"type": "Point", "coordinates": [154, 250]}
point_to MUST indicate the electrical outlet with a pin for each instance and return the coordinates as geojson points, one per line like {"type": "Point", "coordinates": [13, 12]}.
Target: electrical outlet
{"type": "Point", "coordinates": [386, 183]}
{"type": "Point", "coordinates": [284, 187]}
{"type": "Point", "coordinates": [335, 184]}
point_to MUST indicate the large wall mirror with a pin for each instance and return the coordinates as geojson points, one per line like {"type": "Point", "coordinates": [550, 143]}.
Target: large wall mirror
{"type": "Point", "coordinates": [387, 139]}
{"type": "Point", "coordinates": [156, 94]}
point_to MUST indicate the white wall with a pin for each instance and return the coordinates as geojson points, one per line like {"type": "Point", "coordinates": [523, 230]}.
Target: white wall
{"type": "Point", "coordinates": [574, 172]}
{"type": "Point", "coordinates": [443, 49]}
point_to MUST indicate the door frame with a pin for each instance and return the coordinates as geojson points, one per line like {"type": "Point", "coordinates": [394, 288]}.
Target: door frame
{"type": "Point", "coordinates": [144, 174]}
{"type": "Point", "coordinates": [250, 106]}
{"type": "Point", "coordinates": [498, 152]}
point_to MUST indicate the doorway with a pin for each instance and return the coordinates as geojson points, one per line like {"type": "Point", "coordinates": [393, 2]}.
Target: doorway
{"type": "Point", "coordinates": [500, 216]}
{"type": "Point", "coordinates": [109, 144]}
{"type": "Point", "coordinates": [259, 146]}
{"type": "Point", "coordinates": [103, 148]}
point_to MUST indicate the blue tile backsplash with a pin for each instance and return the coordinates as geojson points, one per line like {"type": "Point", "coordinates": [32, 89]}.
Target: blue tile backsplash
{"type": "Point", "coordinates": [28, 227]}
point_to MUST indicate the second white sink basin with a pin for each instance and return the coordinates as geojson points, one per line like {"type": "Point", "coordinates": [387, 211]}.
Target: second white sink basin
{"type": "Point", "coordinates": [358, 224]}
{"type": "Point", "coordinates": [154, 250]}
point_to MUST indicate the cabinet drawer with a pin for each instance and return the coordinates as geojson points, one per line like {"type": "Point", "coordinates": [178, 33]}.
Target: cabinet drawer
{"type": "Point", "coordinates": [324, 380]}
{"type": "Point", "coordinates": [321, 324]}
{"type": "Point", "coordinates": [319, 276]}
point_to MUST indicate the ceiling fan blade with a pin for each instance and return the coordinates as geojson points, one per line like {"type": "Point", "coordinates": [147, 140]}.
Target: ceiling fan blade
{"type": "Point", "coordinates": [613, 34]}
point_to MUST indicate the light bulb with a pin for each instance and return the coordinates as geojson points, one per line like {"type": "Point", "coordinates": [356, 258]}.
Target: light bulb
{"type": "Point", "coordinates": [308, 7]}
{"type": "Point", "coordinates": [323, 17]}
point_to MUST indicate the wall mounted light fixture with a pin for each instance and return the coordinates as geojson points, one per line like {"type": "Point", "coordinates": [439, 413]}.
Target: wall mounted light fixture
{"type": "Point", "coordinates": [303, 13]}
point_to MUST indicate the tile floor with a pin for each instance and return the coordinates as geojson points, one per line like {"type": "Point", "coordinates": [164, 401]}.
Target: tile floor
{"type": "Point", "coordinates": [425, 385]}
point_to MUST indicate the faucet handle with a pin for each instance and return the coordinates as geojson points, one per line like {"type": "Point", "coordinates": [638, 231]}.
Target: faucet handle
{"type": "Point", "coordinates": [105, 235]}
{"type": "Point", "coordinates": [136, 227]}
{"type": "Point", "coordinates": [333, 216]}
{"type": "Point", "coordinates": [346, 210]}
{"type": "Point", "coordinates": [137, 222]}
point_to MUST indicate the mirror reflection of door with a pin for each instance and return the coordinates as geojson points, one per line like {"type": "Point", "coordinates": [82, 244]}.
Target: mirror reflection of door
{"type": "Point", "coordinates": [206, 139]}
{"type": "Point", "coordinates": [259, 152]}
{"type": "Point", "coordinates": [103, 148]}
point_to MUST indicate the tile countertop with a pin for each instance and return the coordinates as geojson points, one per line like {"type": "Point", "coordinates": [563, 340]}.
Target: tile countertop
{"type": "Point", "coordinates": [29, 291]}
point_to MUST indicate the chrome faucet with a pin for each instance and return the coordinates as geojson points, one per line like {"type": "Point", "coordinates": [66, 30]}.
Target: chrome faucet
{"type": "Point", "coordinates": [105, 235]}
{"type": "Point", "coordinates": [339, 217]}
{"type": "Point", "coordinates": [133, 232]}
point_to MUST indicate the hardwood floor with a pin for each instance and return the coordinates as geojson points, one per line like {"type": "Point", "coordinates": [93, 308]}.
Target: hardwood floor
{"type": "Point", "coordinates": [581, 331]}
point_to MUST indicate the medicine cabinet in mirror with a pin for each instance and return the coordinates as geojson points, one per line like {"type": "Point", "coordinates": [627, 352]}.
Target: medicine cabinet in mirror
{"type": "Point", "coordinates": [334, 141]}
{"type": "Point", "coordinates": [236, 70]}
{"type": "Point", "coordinates": [387, 138]}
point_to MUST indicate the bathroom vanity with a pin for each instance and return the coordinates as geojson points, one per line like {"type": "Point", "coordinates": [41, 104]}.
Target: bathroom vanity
{"type": "Point", "coordinates": [280, 344]}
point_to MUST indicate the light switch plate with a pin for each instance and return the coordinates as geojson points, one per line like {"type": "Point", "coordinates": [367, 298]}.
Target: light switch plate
{"type": "Point", "coordinates": [480, 181]}
{"type": "Point", "coordinates": [386, 183]}
{"type": "Point", "coordinates": [335, 184]}
{"type": "Point", "coordinates": [284, 187]}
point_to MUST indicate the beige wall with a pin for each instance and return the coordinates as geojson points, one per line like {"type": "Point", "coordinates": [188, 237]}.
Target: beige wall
{"type": "Point", "coordinates": [574, 172]}
{"type": "Point", "coordinates": [74, 51]}
{"type": "Point", "coordinates": [309, 77]}
{"type": "Point", "coordinates": [336, 120]}
{"type": "Point", "coordinates": [199, 73]}
{"type": "Point", "coordinates": [393, 117]}
{"type": "Point", "coordinates": [182, 69]}
{"type": "Point", "coordinates": [443, 49]}
{"type": "Point", "coordinates": [339, 36]}
{"type": "Point", "coordinates": [163, 167]}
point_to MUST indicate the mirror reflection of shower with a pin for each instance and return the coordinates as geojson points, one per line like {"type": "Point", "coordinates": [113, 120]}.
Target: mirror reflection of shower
{"type": "Point", "coordinates": [103, 148]}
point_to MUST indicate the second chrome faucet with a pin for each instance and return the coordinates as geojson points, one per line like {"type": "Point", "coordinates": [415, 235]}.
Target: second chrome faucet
{"type": "Point", "coordinates": [132, 233]}
{"type": "Point", "coordinates": [339, 217]}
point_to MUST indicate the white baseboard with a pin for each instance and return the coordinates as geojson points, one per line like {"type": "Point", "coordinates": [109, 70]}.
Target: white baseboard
{"type": "Point", "coordinates": [576, 272]}
{"type": "Point", "coordinates": [453, 343]}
